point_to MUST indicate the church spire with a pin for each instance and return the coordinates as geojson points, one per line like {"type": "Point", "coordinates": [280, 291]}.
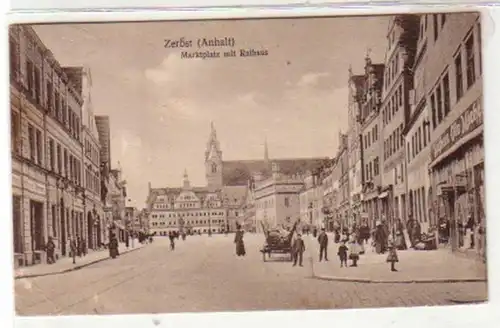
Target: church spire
{"type": "Point", "coordinates": [212, 144]}
{"type": "Point", "coordinates": [266, 151]}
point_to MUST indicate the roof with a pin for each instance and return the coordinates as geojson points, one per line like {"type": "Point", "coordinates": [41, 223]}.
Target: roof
{"type": "Point", "coordinates": [234, 195]}
{"type": "Point", "coordinates": [172, 193]}
{"type": "Point", "coordinates": [238, 173]}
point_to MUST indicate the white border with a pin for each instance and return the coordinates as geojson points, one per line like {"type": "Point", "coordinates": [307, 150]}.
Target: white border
{"type": "Point", "coordinates": [458, 316]}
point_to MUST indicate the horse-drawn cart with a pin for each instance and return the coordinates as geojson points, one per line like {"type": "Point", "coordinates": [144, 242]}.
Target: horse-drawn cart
{"type": "Point", "coordinates": [278, 242]}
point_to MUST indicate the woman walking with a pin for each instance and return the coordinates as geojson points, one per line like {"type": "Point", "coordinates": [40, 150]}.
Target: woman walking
{"type": "Point", "coordinates": [238, 240]}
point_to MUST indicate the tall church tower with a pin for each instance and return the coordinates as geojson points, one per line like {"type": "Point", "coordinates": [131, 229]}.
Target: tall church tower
{"type": "Point", "coordinates": [213, 161]}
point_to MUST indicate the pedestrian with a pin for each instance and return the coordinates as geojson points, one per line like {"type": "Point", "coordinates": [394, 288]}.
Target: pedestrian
{"type": "Point", "coordinates": [73, 250]}
{"type": "Point", "coordinates": [354, 252]}
{"type": "Point", "coordinates": [84, 246]}
{"type": "Point", "coordinates": [113, 246]}
{"type": "Point", "coordinates": [298, 249]}
{"type": "Point", "coordinates": [50, 249]}
{"type": "Point", "coordinates": [171, 236]}
{"type": "Point", "coordinates": [238, 240]}
{"type": "Point", "coordinates": [392, 257]}
{"type": "Point", "coordinates": [323, 245]}
{"type": "Point", "coordinates": [342, 253]}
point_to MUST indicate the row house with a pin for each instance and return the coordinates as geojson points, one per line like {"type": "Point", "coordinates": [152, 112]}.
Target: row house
{"type": "Point", "coordinates": [354, 149]}
{"type": "Point", "coordinates": [311, 200]}
{"type": "Point", "coordinates": [48, 183]}
{"type": "Point", "coordinates": [452, 88]}
{"type": "Point", "coordinates": [397, 83]}
{"type": "Point", "coordinates": [343, 199]}
{"type": "Point", "coordinates": [368, 94]}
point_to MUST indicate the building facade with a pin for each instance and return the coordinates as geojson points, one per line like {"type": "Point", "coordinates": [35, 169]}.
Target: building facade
{"type": "Point", "coordinates": [47, 165]}
{"type": "Point", "coordinates": [369, 96]}
{"type": "Point", "coordinates": [343, 205]}
{"type": "Point", "coordinates": [186, 209]}
{"type": "Point", "coordinates": [354, 150]}
{"type": "Point", "coordinates": [277, 200]}
{"type": "Point", "coordinates": [311, 200]}
{"type": "Point", "coordinates": [453, 77]}
{"type": "Point", "coordinates": [397, 84]}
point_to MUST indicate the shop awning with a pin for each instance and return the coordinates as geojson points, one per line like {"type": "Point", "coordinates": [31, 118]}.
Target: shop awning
{"type": "Point", "coordinates": [383, 195]}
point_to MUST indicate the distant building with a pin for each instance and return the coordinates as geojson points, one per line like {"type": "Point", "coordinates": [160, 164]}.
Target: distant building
{"type": "Point", "coordinates": [104, 132]}
{"type": "Point", "coordinates": [227, 182]}
{"type": "Point", "coordinates": [277, 199]}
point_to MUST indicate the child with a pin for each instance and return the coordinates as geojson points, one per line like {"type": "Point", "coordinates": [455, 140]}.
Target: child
{"type": "Point", "coordinates": [342, 253]}
{"type": "Point", "coordinates": [354, 253]}
{"type": "Point", "coordinates": [393, 256]}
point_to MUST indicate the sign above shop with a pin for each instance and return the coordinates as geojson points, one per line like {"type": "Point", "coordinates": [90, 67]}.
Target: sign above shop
{"type": "Point", "coordinates": [470, 119]}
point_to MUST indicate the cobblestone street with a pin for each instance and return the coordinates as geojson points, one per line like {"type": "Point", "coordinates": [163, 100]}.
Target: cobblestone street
{"type": "Point", "coordinates": [204, 274]}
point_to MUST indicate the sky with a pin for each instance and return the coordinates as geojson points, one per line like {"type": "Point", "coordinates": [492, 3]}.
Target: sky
{"type": "Point", "coordinates": [161, 106]}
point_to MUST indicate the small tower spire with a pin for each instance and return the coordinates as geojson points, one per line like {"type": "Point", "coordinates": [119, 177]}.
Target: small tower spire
{"type": "Point", "coordinates": [186, 183]}
{"type": "Point", "coordinates": [266, 151]}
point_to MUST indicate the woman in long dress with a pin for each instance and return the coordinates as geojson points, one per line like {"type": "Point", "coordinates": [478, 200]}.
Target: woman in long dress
{"type": "Point", "coordinates": [238, 240]}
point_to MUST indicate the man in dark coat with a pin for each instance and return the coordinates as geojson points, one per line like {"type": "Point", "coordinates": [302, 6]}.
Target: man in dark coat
{"type": "Point", "coordinates": [50, 248]}
{"type": "Point", "coordinates": [323, 245]}
{"type": "Point", "coordinates": [298, 249]}
{"type": "Point", "coordinates": [238, 240]}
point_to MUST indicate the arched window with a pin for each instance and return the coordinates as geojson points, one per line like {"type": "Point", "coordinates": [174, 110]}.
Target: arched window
{"type": "Point", "coordinates": [214, 168]}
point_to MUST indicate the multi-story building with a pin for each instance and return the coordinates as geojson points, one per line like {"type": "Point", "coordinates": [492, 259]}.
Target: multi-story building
{"type": "Point", "coordinates": [277, 199]}
{"type": "Point", "coordinates": [114, 193]}
{"type": "Point", "coordinates": [344, 207]}
{"type": "Point", "coordinates": [93, 205]}
{"type": "Point", "coordinates": [369, 96]}
{"type": "Point", "coordinates": [329, 195]}
{"type": "Point", "coordinates": [46, 149]}
{"type": "Point", "coordinates": [311, 200]}
{"type": "Point", "coordinates": [102, 123]}
{"type": "Point", "coordinates": [453, 84]}
{"type": "Point", "coordinates": [189, 209]}
{"type": "Point", "coordinates": [354, 149]}
{"type": "Point", "coordinates": [402, 37]}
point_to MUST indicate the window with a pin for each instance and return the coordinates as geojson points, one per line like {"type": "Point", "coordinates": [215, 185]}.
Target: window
{"type": "Point", "coordinates": [446, 94]}
{"type": "Point", "coordinates": [15, 131]}
{"type": "Point", "coordinates": [459, 76]}
{"type": "Point", "coordinates": [443, 19]}
{"type": "Point", "coordinates": [66, 163]}
{"type": "Point", "coordinates": [433, 109]}
{"type": "Point", "coordinates": [59, 159]}
{"type": "Point", "coordinates": [376, 132]}
{"type": "Point", "coordinates": [14, 59]}
{"type": "Point", "coordinates": [54, 221]}
{"type": "Point", "coordinates": [471, 69]}
{"type": "Point", "coordinates": [480, 47]}
{"type": "Point", "coordinates": [376, 166]}
{"type": "Point", "coordinates": [214, 168]}
{"type": "Point", "coordinates": [32, 142]}
{"type": "Point", "coordinates": [287, 202]}
{"type": "Point", "coordinates": [401, 137]}
{"type": "Point", "coordinates": [38, 86]}
{"type": "Point", "coordinates": [408, 151]}
{"type": "Point", "coordinates": [50, 99]}
{"type": "Point", "coordinates": [39, 149]}
{"type": "Point", "coordinates": [30, 72]}
{"type": "Point", "coordinates": [439, 104]}
{"type": "Point", "coordinates": [57, 105]}
{"type": "Point", "coordinates": [424, 129]}
{"type": "Point", "coordinates": [419, 136]}
{"type": "Point", "coordinates": [400, 95]}
{"type": "Point", "coordinates": [52, 155]}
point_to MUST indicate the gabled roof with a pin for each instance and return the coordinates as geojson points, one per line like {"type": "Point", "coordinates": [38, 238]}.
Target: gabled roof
{"type": "Point", "coordinates": [238, 173]}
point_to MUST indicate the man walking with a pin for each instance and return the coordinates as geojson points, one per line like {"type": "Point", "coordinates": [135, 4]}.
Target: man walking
{"type": "Point", "coordinates": [298, 250]}
{"type": "Point", "coordinates": [323, 245]}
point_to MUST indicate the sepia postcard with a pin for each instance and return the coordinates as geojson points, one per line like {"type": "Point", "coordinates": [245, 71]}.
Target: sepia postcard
{"type": "Point", "coordinates": [248, 164]}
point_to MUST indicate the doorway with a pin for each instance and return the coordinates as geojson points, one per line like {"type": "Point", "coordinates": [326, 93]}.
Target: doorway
{"type": "Point", "coordinates": [90, 231]}
{"type": "Point", "coordinates": [63, 228]}
{"type": "Point", "coordinates": [37, 226]}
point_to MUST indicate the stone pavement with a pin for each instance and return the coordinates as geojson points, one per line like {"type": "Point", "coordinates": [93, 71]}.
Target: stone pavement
{"type": "Point", "coordinates": [413, 266]}
{"type": "Point", "coordinates": [65, 264]}
{"type": "Point", "coordinates": [204, 274]}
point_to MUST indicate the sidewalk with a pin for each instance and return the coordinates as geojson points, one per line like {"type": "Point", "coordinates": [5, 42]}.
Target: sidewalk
{"type": "Point", "coordinates": [413, 266]}
{"type": "Point", "coordinates": [65, 264]}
